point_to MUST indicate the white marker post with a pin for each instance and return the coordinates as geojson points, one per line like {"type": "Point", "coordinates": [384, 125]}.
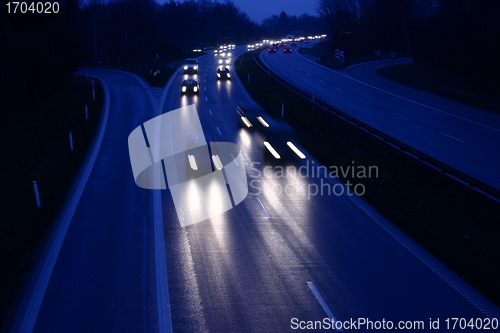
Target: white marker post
{"type": "Point", "coordinates": [37, 195]}
{"type": "Point", "coordinates": [71, 140]}
{"type": "Point", "coordinates": [282, 110]}
{"type": "Point", "coordinates": [86, 112]}
{"type": "Point", "coordinates": [93, 90]}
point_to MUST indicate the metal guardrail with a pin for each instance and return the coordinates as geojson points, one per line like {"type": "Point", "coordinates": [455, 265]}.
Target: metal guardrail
{"type": "Point", "coordinates": [444, 169]}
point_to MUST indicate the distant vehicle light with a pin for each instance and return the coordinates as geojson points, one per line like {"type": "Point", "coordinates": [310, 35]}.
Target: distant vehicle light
{"type": "Point", "coordinates": [246, 122]}
{"type": "Point", "coordinates": [195, 88]}
{"type": "Point", "coordinates": [218, 75]}
{"type": "Point", "coordinates": [217, 162]}
{"type": "Point", "coordinates": [192, 162]}
{"type": "Point", "coordinates": [296, 150]}
{"type": "Point", "coordinates": [183, 88]}
{"type": "Point", "coordinates": [262, 121]}
{"type": "Point", "coordinates": [272, 150]}
{"type": "Point", "coordinates": [185, 67]}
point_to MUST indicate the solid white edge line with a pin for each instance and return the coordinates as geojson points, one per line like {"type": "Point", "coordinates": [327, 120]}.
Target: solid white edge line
{"type": "Point", "coordinates": [452, 137]}
{"type": "Point", "coordinates": [453, 280]}
{"type": "Point", "coordinates": [323, 303]}
{"type": "Point", "coordinates": [266, 214]}
{"type": "Point", "coordinates": [162, 294]}
{"type": "Point", "coordinates": [398, 96]}
{"type": "Point", "coordinates": [31, 314]}
{"type": "Point", "coordinates": [400, 116]}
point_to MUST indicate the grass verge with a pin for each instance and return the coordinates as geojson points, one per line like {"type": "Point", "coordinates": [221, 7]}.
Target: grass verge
{"type": "Point", "coordinates": [457, 226]}
{"type": "Point", "coordinates": [36, 147]}
{"type": "Point", "coordinates": [445, 83]}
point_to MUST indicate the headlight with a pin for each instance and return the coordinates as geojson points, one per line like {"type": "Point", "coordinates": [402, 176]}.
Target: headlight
{"type": "Point", "coordinates": [218, 75]}
{"type": "Point", "coordinates": [228, 75]}
{"type": "Point", "coordinates": [185, 67]}
{"type": "Point", "coordinates": [183, 88]}
{"type": "Point", "coordinates": [220, 61]}
{"type": "Point", "coordinates": [195, 67]}
{"type": "Point", "coordinates": [195, 89]}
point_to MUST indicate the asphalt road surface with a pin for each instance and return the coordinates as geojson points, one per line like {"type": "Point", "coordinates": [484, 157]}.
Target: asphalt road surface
{"type": "Point", "coordinates": [299, 248]}
{"type": "Point", "coordinates": [462, 137]}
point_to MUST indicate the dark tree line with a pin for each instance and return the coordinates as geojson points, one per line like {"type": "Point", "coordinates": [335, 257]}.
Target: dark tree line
{"type": "Point", "coordinates": [40, 52]}
{"type": "Point", "coordinates": [457, 34]}
{"type": "Point", "coordinates": [281, 25]}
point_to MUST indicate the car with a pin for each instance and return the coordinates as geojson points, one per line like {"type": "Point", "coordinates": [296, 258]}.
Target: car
{"type": "Point", "coordinates": [272, 50]}
{"type": "Point", "coordinates": [285, 50]}
{"type": "Point", "coordinates": [191, 66]}
{"type": "Point", "coordinates": [223, 73]}
{"type": "Point", "coordinates": [190, 86]}
{"type": "Point", "coordinates": [224, 60]}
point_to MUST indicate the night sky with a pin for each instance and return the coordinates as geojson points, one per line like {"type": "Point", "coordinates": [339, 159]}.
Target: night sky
{"type": "Point", "coordinates": [261, 9]}
{"type": "Point", "coordinates": [258, 10]}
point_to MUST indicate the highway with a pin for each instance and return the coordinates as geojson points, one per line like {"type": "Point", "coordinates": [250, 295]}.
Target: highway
{"type": "Point", "coordinates": [284, 256]}
{"type": "Point", "coordinates": [460, 136]}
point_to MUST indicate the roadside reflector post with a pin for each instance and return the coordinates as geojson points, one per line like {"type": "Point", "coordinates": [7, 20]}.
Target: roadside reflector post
{"type": "Point", "coordinates": [71, 140]}
{"type": "Point", "coordinates": [86, 112]}
{"type": "Point", "coordinates": [93, 93]}
{"type": "Point", "coordinates": [37, 195]}
{"type": "Point", "coordinates": [282, 110]}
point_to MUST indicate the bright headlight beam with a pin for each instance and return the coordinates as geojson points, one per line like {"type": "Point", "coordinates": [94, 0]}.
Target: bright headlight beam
{"type": "Point", "coordinates": [192, 162]}
{"type": "Point", "coordinates": [217, 162]}
{"type": "Point", "coordinates": [296, 150]}
{"type": "Point", "coordinates": [262, 121]}
{"type": "Point", "coordinates": [272, 150]}
{"type": "Point", "coordinates": [246, 122]}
